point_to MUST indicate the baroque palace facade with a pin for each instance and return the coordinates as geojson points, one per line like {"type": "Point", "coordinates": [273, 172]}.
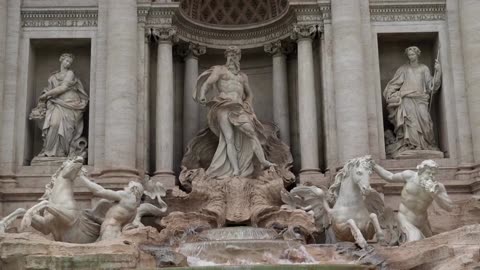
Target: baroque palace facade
{"type": "Point", "coordinates": [318, 69]}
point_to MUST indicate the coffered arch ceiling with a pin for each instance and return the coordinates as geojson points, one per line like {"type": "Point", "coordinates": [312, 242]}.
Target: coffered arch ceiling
{"type": "Point", "coordinates": [233, 12]}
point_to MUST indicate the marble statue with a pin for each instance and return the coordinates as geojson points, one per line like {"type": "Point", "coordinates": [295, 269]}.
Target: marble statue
{"type": "Point", "coordinates": [60, 109]}
{"type": "Point", "coordinates": [356, 206]}
{"type": "Point", "coordinates": [58, 212]}
{"type": "Point", "coordinates": [418, 193]}
{"type": "Point", "coordinates": [8, 220]}
{"type": "Point", "coordinates": [408, 96]}
{"type": "Point", "coordinates": [125, 206]}
{"type": "Point", "coordinates": [232, 119]}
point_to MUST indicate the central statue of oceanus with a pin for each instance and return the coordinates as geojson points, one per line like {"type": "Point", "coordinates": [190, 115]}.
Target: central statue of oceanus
{"type": "Point", "coordinates": [242, 138]}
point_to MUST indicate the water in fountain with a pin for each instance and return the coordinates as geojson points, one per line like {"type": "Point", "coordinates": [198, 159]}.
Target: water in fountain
{"type": "Point", "coordinates": [247, 246]}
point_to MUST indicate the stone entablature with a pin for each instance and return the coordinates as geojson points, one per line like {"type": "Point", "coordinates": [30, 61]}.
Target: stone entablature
{"type": "Point", "coordinates": [381, 11]}
{"type": "Point", "coordinates": [246, 36]}
{"type": "Point", "coordinates": [82, 17]}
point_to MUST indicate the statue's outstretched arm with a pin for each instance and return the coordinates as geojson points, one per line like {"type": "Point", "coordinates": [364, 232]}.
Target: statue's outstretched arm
{"type": "Point", "coordinates": [442, 198]}
{"type": "Point", "coordinates": [99, 191]}
{"type": "Point", "coordinates": [391, 177]}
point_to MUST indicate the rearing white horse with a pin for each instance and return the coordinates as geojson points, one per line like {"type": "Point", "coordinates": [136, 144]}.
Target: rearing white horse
{"type": "Point", "coordinates": [353, 200]}
{"type": "Point", "coordinates": [58, 212]}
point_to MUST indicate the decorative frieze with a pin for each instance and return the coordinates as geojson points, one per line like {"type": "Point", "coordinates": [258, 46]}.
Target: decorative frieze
{"type": "Point", "coordinates": [60, 18]}
{"type": "Point", "coordinates": [414, 12]}
{"type": "Point", "coordinates": [312, 14]}
{"type": "Point", "coordinates": [161, 16]}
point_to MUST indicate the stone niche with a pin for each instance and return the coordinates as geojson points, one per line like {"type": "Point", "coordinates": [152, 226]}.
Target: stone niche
{"type": "Point", "coordinates": [391, 47]}
{"type": "Point", "coordinates": [43, 61]}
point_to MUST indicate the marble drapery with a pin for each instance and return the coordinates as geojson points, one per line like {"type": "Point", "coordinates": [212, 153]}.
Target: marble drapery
{"type": "Point", "coordinates": [63, 124]}
{"type": "Point", "coordinates": [408, 96]}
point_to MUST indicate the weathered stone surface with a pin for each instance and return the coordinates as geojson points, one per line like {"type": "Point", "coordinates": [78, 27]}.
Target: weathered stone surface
{"type": "Point", "coordinates": [464, 212]}
{"type": "Point", "coordinates": [31, 251]}
{"type": "Point", "coordinates": [457, 249]}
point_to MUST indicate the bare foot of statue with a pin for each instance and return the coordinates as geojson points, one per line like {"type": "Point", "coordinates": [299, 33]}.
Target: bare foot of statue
{"type": "Point", "coordinates": [236, 172]}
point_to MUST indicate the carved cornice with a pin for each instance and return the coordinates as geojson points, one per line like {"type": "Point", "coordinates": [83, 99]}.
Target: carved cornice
{"type": "Point", "coordinates": [161, 16]}
{"type": "Point", "coordinates": [278, 48]}
{"type": "Point", "coordinates": [244, 36]}
{"type": "Point", "coordinates": [247, 37]}
{"type": "Point", "coordinates": [312, 14]}
{"type": "Point", "coordinates": [412, 12]}
{"type": "Point", "coordinates": [304, 31]}
{"type": "Point", "coordinates": [142, 13]}
{"type": "Point", "coordinates": [163, 34]}
{"type": "Point", "coordinates": [84, 17]}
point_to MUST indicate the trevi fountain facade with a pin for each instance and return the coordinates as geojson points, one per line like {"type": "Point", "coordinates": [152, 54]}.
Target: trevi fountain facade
{"type": "Point", "coordinates": [265, 134]}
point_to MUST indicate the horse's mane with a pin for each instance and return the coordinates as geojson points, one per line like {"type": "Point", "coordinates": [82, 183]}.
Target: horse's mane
{"type": "Point", "coordinates": [334, 189]}
{"type": "Point", "coordinates": [51, 184]}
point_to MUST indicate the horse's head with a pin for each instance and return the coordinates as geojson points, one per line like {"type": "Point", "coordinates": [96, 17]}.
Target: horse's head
{"type": "Point", "coordinates": [361, 173]}
{"type": "Point", "coordinates": [71, 167]}
{"type": "Point", "coordinates": [358, 170]}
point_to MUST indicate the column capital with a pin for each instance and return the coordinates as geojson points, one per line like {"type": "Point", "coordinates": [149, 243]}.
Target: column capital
{"type": "Point", "coordinates": [191, 50]}
{"type": "Point", "coordinates": [163, 34]}
{"type": "Point", "coordinates": [303, 31]}
{"type": "Point", "coordinates": [278, 48]}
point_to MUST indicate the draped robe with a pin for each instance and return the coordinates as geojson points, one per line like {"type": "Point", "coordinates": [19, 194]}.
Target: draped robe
{"type": "Point", "coordinates": [63, 123]}
{"type": "Point", "coordinates": [239, 114]}
{"type": "Point", "coordinates": [408, 97]}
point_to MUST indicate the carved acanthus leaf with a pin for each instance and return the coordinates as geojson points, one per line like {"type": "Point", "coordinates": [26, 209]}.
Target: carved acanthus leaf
{"type": "Point", "coordinates": [277, 47]}
{"type": "Point", "coordinates": [164, 34]}
{"type": "Point", "coordinates": [302, 31]}
{"type": "Point", "coordinates": [192, 50]}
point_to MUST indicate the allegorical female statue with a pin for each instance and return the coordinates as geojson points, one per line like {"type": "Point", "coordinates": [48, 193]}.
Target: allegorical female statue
{"type": "Point", "coordinates": [408, 96]}
{"type": "Point", "coordinates": [62, 105]}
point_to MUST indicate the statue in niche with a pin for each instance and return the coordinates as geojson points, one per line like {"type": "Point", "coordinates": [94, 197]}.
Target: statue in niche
{"type": "Point", "coordinates": [232, 119]}
{"type": "Point", "coordinates": [408, 96]}
{"type": "Point", "coordinates": [60, 113]}
{"type": "Point", "coordinates": [420, 190]}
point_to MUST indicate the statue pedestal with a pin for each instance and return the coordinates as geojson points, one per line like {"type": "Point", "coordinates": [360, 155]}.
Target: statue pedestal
{"type": "Point", "coordinates": [219, 202]}
{"type": "Point", "coordinates": [419, 154]}
{"type": "Point", "coordinates": [48, 161]}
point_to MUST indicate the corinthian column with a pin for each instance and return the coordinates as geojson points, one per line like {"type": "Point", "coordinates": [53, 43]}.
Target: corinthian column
{"type": "Point", "coordinates": [280, 89]}
{"type": "Point", "coordinates": [470, 29]}
{"type": "Point", "coordinates": [165, 114]}
{"type": "Point", "coordinates": [349, 80]}
{"type": "Point", "coordinates": [121, 92]}
{"type": "Point", "coordinates": [10, 21]}
{"type": "Point", "coordinates": [191, 114]}
{"type": "Point", "coordinates": [464, 141]}
{"type": "Point", "coordinates": [307, 107]}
